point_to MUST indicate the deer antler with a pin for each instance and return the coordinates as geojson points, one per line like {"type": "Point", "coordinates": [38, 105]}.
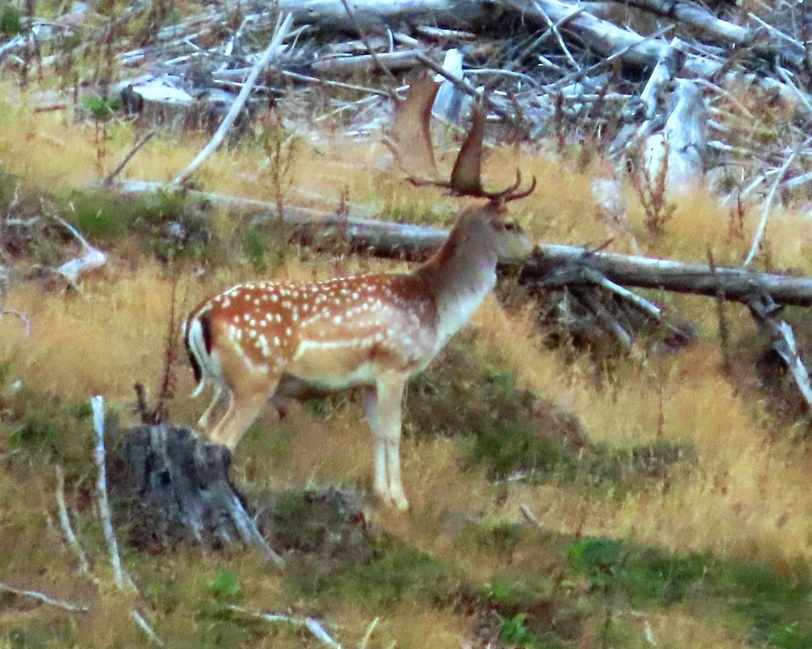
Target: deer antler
{"type": "Point", "coordinates": [410, 138]}
{"type": "Point", "coordinates": [410, 142]}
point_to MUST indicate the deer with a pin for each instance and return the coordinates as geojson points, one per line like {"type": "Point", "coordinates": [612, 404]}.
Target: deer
{"type": "Point", "coordinates": [265, 341]}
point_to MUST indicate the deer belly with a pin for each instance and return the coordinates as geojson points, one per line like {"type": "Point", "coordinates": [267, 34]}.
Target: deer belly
{"type": "Point", "coordinates": [329, 366]}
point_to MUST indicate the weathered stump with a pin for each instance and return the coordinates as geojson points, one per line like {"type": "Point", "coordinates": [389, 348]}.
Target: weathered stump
{"type": "Point", "coordinates": [179, 491]}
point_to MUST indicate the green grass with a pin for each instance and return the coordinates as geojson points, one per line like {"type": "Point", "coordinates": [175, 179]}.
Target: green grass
{"type": "Point", "coordinates": [776, 607]}
{"type": "Point", "coordinates": [396, 574]}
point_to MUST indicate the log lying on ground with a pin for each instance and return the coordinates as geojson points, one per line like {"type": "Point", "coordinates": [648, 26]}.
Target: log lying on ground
{"type": "Point", "coordinates": [644, 272]}
{"type": "Point", "coordinates": [401, 240]}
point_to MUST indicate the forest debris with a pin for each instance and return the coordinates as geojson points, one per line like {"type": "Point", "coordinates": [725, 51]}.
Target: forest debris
{"type": "Point", "coordinates": [274, 49]}
{"type": "Point", "coordinates": [312, 624]}
{"type": "Point", "coordinates": [67, 528]}
{"type": "Point", "coordinates": [762, 224]}
{"type": "Point", "coordinates": [764, 311]}
{"type": "Point", "coordinates": [449, 103]}
{"type": "Point", "coordinates": [122, 579]}
{"type": "Point", "coordinates": [92, 259]}
{"type": "Point", "coordinates": [677, 154]}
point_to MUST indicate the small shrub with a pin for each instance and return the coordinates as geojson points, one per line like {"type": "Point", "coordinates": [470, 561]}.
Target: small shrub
{"type": "Point", "coordinates": [226, 586]}
{"type": "Point", "coordinates": [396, 574]}
{"type": "Point", "coordinates": [508, 448]}
{"type": "Point", "coordinates": [254, 247]}
{"type": "Point", "coordinates": [166, 224]}
{"type": "Point", "coordinates": [9, 19]}
{"type": "Point", "coordinates": [778, 607]}
{"type": "Point", "coordinates": [102, 108]}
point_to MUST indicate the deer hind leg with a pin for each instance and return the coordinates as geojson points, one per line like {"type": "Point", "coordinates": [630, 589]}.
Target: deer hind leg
{"type": "Point", "coordinates": [245, 401]}
{"type": "Point", "coordinates": [383, 410]}
{"type": "Point", "coordinates": [206, 421]}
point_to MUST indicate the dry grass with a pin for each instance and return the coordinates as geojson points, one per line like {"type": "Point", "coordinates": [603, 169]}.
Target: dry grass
{"type": "Point", "coordinates": [746, 496]}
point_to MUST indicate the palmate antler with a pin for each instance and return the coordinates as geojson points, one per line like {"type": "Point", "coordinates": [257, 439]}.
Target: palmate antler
{"type": "Point", "coordinates": [410, 142]}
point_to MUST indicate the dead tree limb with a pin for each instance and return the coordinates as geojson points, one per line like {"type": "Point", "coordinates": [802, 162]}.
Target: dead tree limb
{"type": "Point", "coordinates": [643, 272]}
{"type": "Point", "coordinates": [765, 311]}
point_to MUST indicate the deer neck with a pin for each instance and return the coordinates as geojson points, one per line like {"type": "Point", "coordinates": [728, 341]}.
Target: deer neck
{"type": "Point", "coordinates": [460, 275]}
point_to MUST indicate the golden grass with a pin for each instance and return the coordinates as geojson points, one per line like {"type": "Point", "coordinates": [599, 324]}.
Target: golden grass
{"type": "Point", "coordinates": [746, 496]}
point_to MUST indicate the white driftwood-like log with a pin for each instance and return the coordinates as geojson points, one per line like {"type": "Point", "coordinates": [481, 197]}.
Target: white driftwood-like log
{"type": "Point", "coordinates": [702, 21]}
{"type": "Point", "coordinates": [377, 15]}
{"type": "Point", "coordinates": [350, 65]}
{"type": "Point", "coordinates": [678, 152]}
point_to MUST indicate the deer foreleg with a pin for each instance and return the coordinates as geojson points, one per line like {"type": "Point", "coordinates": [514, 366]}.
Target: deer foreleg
{"type": "Point", "coordinates": [383, 409]}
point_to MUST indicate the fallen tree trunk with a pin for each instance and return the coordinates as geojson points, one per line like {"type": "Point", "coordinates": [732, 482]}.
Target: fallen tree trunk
{"type": "Point", "coordinates": [379, 15]}
{"type": "Point", "coordinates": [405, 241]}
{"type": "Point", "coordinates": [644, 272]}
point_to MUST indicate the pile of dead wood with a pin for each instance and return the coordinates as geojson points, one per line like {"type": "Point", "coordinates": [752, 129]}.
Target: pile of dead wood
{"type": "Point", "coordinates": [682, 84]}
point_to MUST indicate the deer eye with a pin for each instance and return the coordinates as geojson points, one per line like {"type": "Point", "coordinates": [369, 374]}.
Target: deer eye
{"type": "Point", "coordinates": [511, 226]}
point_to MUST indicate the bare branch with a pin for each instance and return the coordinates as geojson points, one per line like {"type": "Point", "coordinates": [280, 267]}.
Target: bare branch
{"type": "Point", "coordinates": [67, 530]}
{"type": "Point", "coordinates": [122, 579]}
{"type": "Point", "coordinates": [45, 599]}
{"type": "Point", "coordinates": [282, 27]}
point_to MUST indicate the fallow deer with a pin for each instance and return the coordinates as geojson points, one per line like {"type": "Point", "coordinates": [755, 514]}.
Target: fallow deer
{"type": "Point", "coordinates": [262, 341]}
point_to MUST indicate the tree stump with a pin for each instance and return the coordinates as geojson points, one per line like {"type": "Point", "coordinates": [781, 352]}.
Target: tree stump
{"type": "Point", "coordinates": [175, 488]}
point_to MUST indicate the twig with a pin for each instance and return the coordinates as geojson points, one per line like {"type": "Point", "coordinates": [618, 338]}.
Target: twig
{"type": "Point", "coordinates": [24, 318]}
{"type": "Point", "coordinates": [146, 628]}
{"type": "Point", "coordinates": [366, 42]}
{"type": "Point", "coordinates": [368, 634]}
{"type": "Point", "coordinates": [282, 27]}
{"type": "Point", "coordinates": [45, 599]}
{"type": "Point", "coordinates": [531, 518]}
{"type": "Point", "coordinates": [109, 180]}
{"type": "Point", "coordinates": [311, 624]}
{"type": "Point", "coordinates": [122, 579]}
{"type": "Point", "coordinates": [768, 203]}
{"type": "Point", "coordinates": [557, 33]}
{"type": "Point", "coordinates": [336, 84]}
{"type": "Point", "coordinates": [67, 530]}
{"type": "Point", "coordinates": [315, 627]}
